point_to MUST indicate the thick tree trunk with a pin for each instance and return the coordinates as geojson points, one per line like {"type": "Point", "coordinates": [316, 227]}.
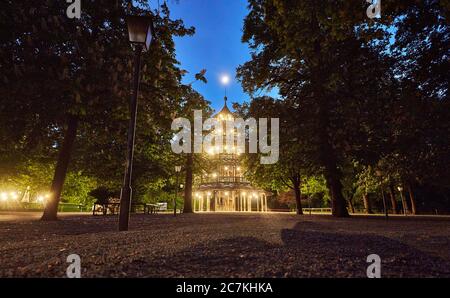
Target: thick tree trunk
{"type": "Point", "coordinates": [412, 199]}
{"type": "Point", "coordinates": [367, 205]}
{"type": "Point", "coordinates": [298, 198]}
{"type": "Point", "coordinates": [51, 207]}
{"type": "Point", "coordinates": [338, 204]}
{"type": "Point", "coordinates": [393, 200]}
{"type": "Point", "coordinates": [331, 171]}
{"type": "Point", "coordinates": [188, 187]}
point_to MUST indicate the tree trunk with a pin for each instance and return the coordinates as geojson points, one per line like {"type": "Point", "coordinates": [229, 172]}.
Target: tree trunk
{"type": "Point", "coordinates": [412, 199]}
{"type": "Point", "coordinates": [51, 207]}
{"type": "Point", "coordinates": [298, 198]}
{"type": "Point", "coordinates": [338, 204]}
{"type": "Point", "coordinates": [327, 153]}
{"type": "Point", "coordinates": [350, 203]}
{"type": "Point", "coordinates": [404, 203]}
{"type": "Point", "coordinates": [393, 200]}
{"type": "Point", "coordinates": [188, 187]}
{"type": "Point", "coordinates": [367, 204]}
{"type": "Point", "coordinates": [329, 161]}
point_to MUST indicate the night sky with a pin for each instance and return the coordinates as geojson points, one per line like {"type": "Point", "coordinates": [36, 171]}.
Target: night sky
{"type": "Point", "coordinates": [216, 45]}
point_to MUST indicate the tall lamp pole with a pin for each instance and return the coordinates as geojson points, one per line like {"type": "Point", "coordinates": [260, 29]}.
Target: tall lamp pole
{"type": "Point", "coordinates": [140, 32]}
{"type": "Point", "coordinates": [177, 170]}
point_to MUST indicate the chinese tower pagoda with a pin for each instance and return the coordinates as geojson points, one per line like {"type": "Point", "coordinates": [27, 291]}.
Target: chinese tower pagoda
{"type": "Point", "coordinates": [225, 189]}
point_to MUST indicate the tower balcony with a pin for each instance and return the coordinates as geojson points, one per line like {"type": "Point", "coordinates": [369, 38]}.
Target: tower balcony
{"type": "Point", "coordinates": [224, 179]}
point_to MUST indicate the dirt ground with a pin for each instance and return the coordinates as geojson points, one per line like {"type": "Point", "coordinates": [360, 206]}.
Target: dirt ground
{"type": "Point", "coordinates": [225, 245]}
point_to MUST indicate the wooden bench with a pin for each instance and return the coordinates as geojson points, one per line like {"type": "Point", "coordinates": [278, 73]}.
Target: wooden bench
{"type": "Point", "coordinates": [113, 206]}
{"type": "Point", "coordinates": [151, 208]}
{"type": "Point", "coordinates": [155, 208]}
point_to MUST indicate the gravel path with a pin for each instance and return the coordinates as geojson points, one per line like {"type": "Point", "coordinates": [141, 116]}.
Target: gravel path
{"type": "Point", "coordinates": [226, 245]}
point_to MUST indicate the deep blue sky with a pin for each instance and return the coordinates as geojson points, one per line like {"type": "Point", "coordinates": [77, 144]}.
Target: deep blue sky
{"type": "Point", "coordinates": [216, 45]}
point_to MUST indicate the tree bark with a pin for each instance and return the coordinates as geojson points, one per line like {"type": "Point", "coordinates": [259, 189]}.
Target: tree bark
{"type": "Point", "coordinates": [51, 207]}
{"type": "Point", "coordinates": [412, 199]}
{"type": "Point", "coordinates": [393, 200]}
{"type": "Point", "coordinates": [404, 203]}
{"type": "Point", "coordinates": [338, 204]}
{"type": "Point", "coordinates": [329, 161]}
{"type": "Point", "coordinates": [350, 203]}
{"type": "Point", "coordinates": [298, 197]}
{"type": "Point", "coordinates": [188, 184]}
{"type": "Point", "coordinates": [367, 204]}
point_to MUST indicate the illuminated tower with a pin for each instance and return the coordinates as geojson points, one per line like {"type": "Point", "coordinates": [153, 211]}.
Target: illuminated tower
{"type": "Point", "coordinates": [225, 188]}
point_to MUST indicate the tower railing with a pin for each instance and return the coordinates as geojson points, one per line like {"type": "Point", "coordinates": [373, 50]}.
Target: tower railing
{"type": "Point", "coordinates": [225, 179]}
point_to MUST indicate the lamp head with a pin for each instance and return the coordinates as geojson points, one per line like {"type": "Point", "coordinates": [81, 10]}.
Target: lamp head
{"type": "Point", "coordinates": [140, 30]}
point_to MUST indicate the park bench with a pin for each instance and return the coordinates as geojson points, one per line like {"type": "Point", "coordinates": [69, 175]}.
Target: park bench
{"type": "Point", "coordinates": [155, 208]}
{"type": "Point", "coordinates": [112, 206]}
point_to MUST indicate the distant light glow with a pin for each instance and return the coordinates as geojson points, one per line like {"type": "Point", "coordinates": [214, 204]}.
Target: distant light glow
{"type": "Point", "coordinates": [225, 79]}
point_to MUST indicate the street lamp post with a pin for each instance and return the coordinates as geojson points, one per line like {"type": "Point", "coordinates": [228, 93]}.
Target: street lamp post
{"type": "Point", "coordinates": [177, 170]}
{"type": "Point", "coordinates": [140, 31]}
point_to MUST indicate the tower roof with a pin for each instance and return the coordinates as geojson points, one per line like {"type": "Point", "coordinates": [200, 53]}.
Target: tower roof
{"type": "Point", "coordinates": [225, 111]}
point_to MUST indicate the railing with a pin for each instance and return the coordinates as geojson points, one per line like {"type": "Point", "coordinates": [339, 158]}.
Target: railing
{"type": "Point", "coordinates": [226, 179]}
{"type": "Point", "coordinates": [316, 210]}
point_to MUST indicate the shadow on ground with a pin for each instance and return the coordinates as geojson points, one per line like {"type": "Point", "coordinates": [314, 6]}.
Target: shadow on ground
{"type": "Point", "coordinates": [254, 245]}
{"type": "Point", "coordinates": [303, 254]}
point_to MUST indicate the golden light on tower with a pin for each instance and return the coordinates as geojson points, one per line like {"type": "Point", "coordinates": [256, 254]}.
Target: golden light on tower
{"type": "Point", "coordinates": [226, 188]}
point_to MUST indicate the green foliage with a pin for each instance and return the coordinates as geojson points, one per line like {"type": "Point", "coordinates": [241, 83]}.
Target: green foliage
{"type": "Point", "coordinates": [354, 95]}
{"type": "Point", "coordinates": [316, 186]}
{"type": "Point", "coordinates": [77, 189]}
{"type": "Point", "coordinates": [34, 175]}
{"type": "Point", "coordinates": [83, 68]}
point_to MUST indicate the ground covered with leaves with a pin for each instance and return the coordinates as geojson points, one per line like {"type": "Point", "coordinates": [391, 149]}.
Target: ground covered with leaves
{"type": "Point", "coordinates": [225, 245]}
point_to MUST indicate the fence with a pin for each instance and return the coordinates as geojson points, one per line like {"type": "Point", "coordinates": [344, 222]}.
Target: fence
{"type": "Point", "coordinates": [62, 207]}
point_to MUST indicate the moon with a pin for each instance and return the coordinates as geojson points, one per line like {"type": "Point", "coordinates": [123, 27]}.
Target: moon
{"type": "Point", "coordinates": [225, 79]}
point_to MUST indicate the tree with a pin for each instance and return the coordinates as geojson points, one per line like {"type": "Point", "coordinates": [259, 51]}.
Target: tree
{"type": "Point", "coordinates": [322, 56]}
{"type": "Point", "coordinates": [191, 101]}
{"type": "Point", "coordinates": [78, 74]}
{"type": "Point", "coordinates": [295, 161]}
